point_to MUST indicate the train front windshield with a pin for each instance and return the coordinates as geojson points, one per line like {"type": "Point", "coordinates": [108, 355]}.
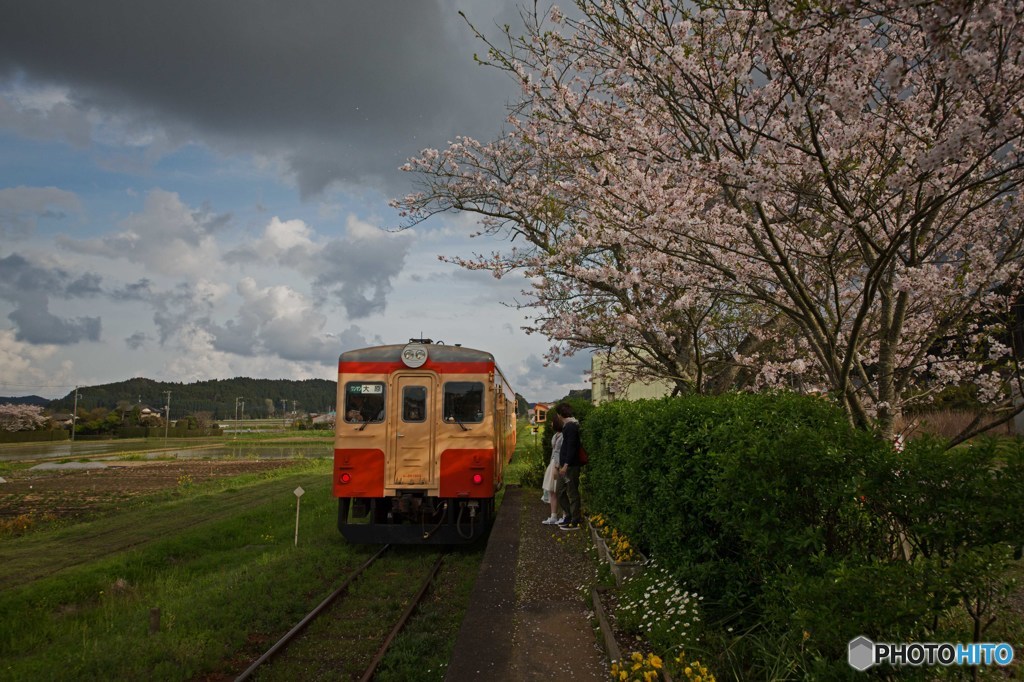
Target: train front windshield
{"type": "Point", "coordinates": [464, 401]}
{"type": "Point", "coordinates": [364, 401]}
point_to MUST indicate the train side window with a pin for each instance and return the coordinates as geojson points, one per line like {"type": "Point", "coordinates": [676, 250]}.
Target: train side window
{"type": "Point", "coordinates": [464, 401]}
{"type": "Point", "coordinates": [364, 402]}
{"type": "Point", "coordinates": [414, 403]}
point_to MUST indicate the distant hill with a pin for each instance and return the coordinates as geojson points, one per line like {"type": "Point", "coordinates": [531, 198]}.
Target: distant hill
{"type": "Point", "coordinates": [24, 400]}
{"type": "Point", "coordinates": [262, 398]}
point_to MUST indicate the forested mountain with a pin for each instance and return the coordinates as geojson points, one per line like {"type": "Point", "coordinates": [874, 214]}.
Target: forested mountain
{"type": "Point", "coordinates": [255, 398]}
{"type": "Point", "coordinates": [24, 400]}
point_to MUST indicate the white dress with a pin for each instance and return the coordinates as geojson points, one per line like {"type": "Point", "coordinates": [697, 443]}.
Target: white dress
{"type": "Point", "coordinates": [551, 474]}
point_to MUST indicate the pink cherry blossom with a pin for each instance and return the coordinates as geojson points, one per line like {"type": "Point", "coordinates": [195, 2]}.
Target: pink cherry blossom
{"type": "Point", "coordinates": [761, 194]}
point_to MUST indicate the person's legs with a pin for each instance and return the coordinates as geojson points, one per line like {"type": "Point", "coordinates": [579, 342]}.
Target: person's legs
{"type": "Point", "coordinates": [563, 497]}
{"type": "Point", "coordinates": [572, 494]}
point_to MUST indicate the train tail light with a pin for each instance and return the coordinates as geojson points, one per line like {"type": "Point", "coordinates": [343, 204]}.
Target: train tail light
{"type": "Point", "coordinates": [346, 478]}
{"type": "Point", "coordinates": [477, 479]}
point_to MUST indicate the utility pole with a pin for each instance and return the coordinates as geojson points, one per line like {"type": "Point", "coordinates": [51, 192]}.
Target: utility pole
{"type": "Point", "coordinates": [236, 414]}
{"type": "Point", "coordinates": [74, 416]}
{"type": "Point", "coordinates": [167, 422]}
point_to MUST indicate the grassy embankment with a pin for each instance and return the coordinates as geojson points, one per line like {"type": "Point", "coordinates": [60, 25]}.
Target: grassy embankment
{"type": "Point", "coordinates": [219, 561]}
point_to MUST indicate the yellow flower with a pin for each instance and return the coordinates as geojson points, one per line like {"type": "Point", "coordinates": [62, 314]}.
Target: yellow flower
{"type": "Point", "coordinates": [655, 661]}
{"type": "Point", "coordinates": [688, 671]}
{"type": "Point", "coordinates": [637, 656]}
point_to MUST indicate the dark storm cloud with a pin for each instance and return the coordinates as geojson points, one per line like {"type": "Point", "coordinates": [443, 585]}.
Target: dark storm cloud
{"type": "Point", "coordinates": [344, 90]}
{"type": "Point", "coordinates": [29, 287]}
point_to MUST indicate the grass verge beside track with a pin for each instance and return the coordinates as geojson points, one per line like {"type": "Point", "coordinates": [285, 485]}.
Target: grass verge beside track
{"type": "Point", "coordinates": [218, 559]}
{"type": "Point", "coordinates": [220, 565]}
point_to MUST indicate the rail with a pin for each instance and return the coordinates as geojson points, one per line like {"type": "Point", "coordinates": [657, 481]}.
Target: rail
{"type": "Point", "coordinates": [293, 634]}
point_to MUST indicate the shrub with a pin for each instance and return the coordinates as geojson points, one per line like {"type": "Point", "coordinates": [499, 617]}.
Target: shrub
{"type": "Point", "coordinates": [732, 490]}
{"type": "Point", "coordinates": [782, 515]}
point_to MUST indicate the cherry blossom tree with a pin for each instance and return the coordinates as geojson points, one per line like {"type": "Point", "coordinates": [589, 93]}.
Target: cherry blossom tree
{"type": "Point", "coordinates": [824, 192]}
{"type": "Point", "coordinates": [14, 417]}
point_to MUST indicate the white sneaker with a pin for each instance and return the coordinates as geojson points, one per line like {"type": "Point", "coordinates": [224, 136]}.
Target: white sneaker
{"type": "Point", "coordinates": [564, 519]}
{"type": "Point", "coordinates": [550, 521]}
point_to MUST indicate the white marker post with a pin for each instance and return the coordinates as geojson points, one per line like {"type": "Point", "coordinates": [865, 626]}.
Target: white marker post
{"type": "Point", "coordinates": [298, 499]}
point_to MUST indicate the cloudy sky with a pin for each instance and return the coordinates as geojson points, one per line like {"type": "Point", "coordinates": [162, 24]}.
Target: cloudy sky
{"type": "Point", "coordinates": [194, 190]}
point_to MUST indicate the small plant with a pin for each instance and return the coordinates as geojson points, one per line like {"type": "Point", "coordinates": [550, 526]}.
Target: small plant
{"type": "Point", "coordinates": [619, 546]}
{"type": "Point", "coordinates": [17, 525]}
{"type": "Point", "coordinates": [621, 549]}
{"type": "Point", "coordinates": [185, 481]}
{"type": "Point", "coordinates": [600, 524]}
{"type": "Point", "coordinates": [655, 607]}
{"type": "Point", "coordinates": [639, 668]}
{"type": "Point", "coordinates": [693, 671]}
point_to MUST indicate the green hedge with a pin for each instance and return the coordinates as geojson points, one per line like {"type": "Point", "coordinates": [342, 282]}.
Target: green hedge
{"type": "Point", "coordinates": [43, 435]}
{"type": "Point", "coordinates": [789, 521]}
{"type": "Point", "coordinates": [732, 490]}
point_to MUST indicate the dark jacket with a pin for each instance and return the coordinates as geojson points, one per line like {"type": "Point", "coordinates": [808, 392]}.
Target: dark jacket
{"type": "Point", "coordinates": [570, 452]}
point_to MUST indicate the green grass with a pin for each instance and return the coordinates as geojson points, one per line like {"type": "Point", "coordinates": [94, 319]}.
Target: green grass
{"type": "Point", "coordinates": [220, 565]}
{"type": "Point", "coordinates": [218, 559]}
{"type": "Point", "coordinates": [424, 648]}
{"type": "Point", "coordinates": [528, 456]}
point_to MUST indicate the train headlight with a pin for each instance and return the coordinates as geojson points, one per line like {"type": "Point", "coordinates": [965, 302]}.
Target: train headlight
{"type": "Point", "coordinates": [346, 478]}
{"type": "Point", "coordinates": [478, 479]}
{"type": "Point", "coordinates": [414, 355]}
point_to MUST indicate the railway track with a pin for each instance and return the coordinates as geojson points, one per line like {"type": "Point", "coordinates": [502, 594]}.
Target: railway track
{"type": "Point", "coordinates": [323, 644]}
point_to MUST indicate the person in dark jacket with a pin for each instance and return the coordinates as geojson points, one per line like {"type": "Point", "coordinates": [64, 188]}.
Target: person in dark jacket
{"type": "Point", "coordinates": [569, 468]}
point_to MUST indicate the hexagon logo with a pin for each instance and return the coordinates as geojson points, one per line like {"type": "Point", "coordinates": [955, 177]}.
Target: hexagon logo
{"type": "Point", "coordinates": [862, 653]}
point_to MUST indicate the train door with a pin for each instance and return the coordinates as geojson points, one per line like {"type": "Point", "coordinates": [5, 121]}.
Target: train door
{"type": "Point", "coordinates": [412, 452]}
{"type": "Point", "coordinates": [499, 433]}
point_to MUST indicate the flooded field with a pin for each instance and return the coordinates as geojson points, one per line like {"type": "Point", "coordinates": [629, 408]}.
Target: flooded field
{"type": "Point", "coordinates": [221, 448]}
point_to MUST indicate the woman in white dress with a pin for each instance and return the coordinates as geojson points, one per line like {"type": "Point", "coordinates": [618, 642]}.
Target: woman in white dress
{"type": "Point", "coordinates": [551, 473]}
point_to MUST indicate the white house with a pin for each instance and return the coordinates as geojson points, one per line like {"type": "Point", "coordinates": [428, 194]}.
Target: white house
{"type": "Point", "coordinates": [602, 384]}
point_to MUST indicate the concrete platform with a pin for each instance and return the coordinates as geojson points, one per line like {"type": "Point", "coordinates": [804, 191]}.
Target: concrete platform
{"type": "Point", "coordinates": [531, 607]}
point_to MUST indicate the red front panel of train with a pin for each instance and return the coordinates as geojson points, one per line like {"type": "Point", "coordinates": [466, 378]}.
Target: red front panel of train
{"type": "Point", "coordinates": [358, 472]}
{"type": "Point", "coordinates": [467, 473]}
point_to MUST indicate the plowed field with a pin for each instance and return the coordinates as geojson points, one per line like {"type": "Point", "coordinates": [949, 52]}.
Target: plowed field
{"type": "Point", "coordinates": [73, 492]}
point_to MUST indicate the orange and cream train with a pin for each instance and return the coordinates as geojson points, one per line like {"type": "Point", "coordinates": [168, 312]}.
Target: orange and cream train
{"type": "Point", "coordinates": [423, 434]}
